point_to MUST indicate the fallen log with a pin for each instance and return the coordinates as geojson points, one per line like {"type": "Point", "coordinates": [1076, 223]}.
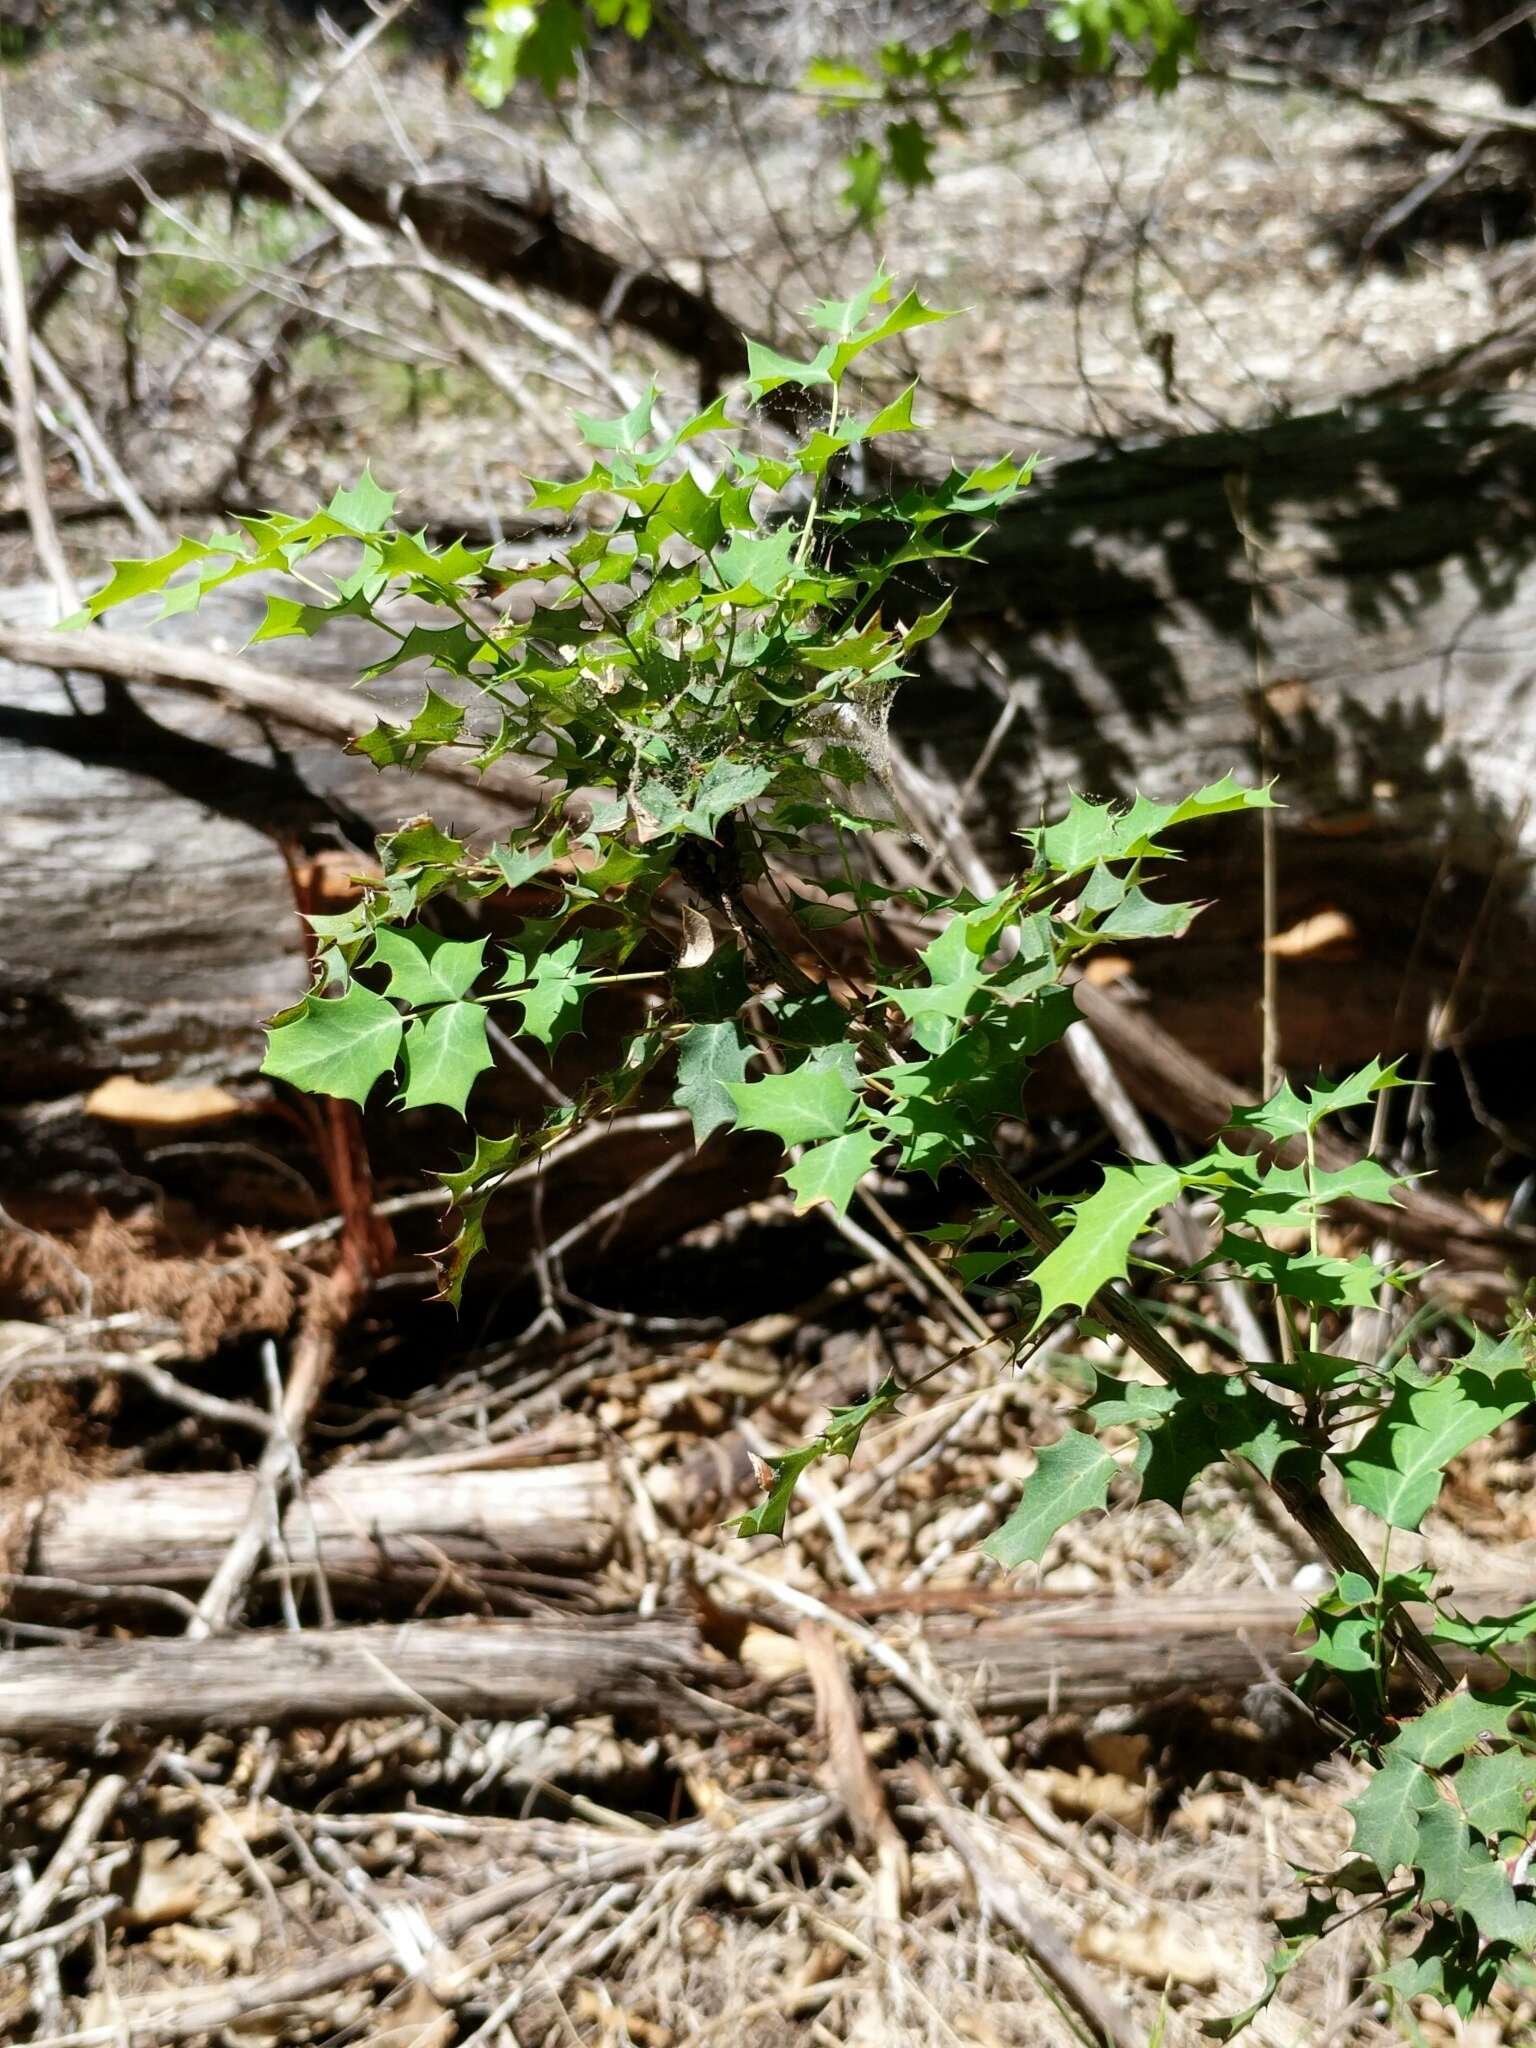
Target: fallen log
{"type": "Point", "coordinates": [463, 214]}
{"type": "Point", "coordinates": [360, 1524]}
{"type": "Point", "coordinates": [654, 1671]}
{"type": "Point", "coordinates": [1343, 600]}
{"type": "Point", "coordinates": [1010, 1656]}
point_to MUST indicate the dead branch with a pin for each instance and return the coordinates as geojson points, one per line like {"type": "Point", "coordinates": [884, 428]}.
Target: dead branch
{"type": "Point", "coordinates": [364, 1522]}
{"type": "Point", "coordinates": [462, 216]}
{"type": "Point", "coordinates": [600, 1664]}
{"type": "Point", "coordinates": [18, 356]}
{"type": "Point", "coordinates": [307, 706]}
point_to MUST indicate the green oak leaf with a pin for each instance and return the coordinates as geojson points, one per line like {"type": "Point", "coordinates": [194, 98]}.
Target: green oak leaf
{"type": "Point", "coordinates": [335, 1045]}
{"type": "Point", "coordinates": [491, 1157]}
{"type": "Point", "coordinates": [1287, 1115]}
{"type": "Point", "coordinates": [1386, 1815]}
{"type": "Point", "coordinates": [426, 968]}
{"type": "Point", "coordinates": [1459, 1871]}
{"type": "Point", "coordinates": [780, 1475]}
{"type": "Point", "coordinates": [810, 1102]}
{"type": "Point", "coordinates": [1317, 1278]}
{"type": "Point", "coordinates": [444, 1054]}
{"type": "Point", "coordinates": [1105, 1224]}
{"type": "Point", "coordinates": [1452, 1726]}
{"type": "Point", "coordinates": [363, 507]}
{"type": "Point", "coordinates": [1398, 1468]}
{"type": "Point", "coordinates": [830, 1172]}
{"type": "Point", "coordinates": [1498, 1792]}
{"type": "Point", "coordinates": [1071, 1476]}
{"type": "Point", "coordinates": [555, 992]}
{"type": "Point", "coordinates": [709, 1056]}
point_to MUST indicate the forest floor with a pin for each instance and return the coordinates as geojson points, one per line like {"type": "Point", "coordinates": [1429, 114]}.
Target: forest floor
{"type": "Point", "coordinates": [859, 1786]}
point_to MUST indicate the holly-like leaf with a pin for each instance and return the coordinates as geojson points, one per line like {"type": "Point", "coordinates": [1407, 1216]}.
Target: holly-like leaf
{"type": "Point", "coordinates": [456, 1258]}
{"type": "Point", "coordinates": [362, 507]}
{"type": "Point", "coordinates": [426, 968]}
{"type": "Point", "coordinates": [144, 576]}
{"type": "Point", "coordinates": [1491, 1632]}
{"type": "Point", "coordinates": [335, 1045]}
{"type": "Point", "coordinates": [1399, 1467]}
{"type": "Point", "coordinates": [1386, 1815]}
{"type": "Point", "coordinates": [1452, 1726]}
{"type": "Point", "coordinates": [1497, 1793]}
{"type": "Point", "coordinates": [1093, 832]}
{"type": "Point", "coordinates": [1139, 917]}
{"type": "Point", "coordinates": [445, 1052]}
{"type": "Point", "coordinates": [1459, 1871]}
{"type": "Point", "coordinates": [1287, 1115]}
{"type": "Point", "coordinates": [490, 1158]}
{"type": "Point", "coordinates": [830, 1172]}
{"type": "Point", "coordinates": [1222, 1416]}
{"type": "Point", "coordinates": [1301, 1934]}
{"type": "Point", "coordinates": [556, 988]}
{"type": "Point", "coordinates": [1071, 1476]}
{"type": "Point", "coordinates": [780, 1475]}
{"type": "Point", "coordinates": [709, 1057]}
{"type": "Point", "coordinates": [811, 1102]}
{"type": "Point", "coordinates": [1105, 1224]}
{"type": "Point", "coordinates": [1316, 1278]}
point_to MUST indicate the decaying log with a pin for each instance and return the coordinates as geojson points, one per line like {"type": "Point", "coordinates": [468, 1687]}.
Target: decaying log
{"type": "Point", "coordinates": [1018, 1656]}
{"type": "Point", "coordinates": [1344, 600]}
{"type": "Point", "coordinates": [464, 215]}
{"type": "Point", "coordinates": [650, 1670]}
{"type": "Point", "coordinates": [366, 1522]}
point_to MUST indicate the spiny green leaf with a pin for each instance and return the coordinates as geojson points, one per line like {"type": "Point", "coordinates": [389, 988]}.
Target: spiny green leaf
{"type": "Point", "coordinates": [779, 1476]}
{"type": "Point", "coordinates": [908, 313]}
{"type": "Point", "coordinates": [142, 576]}
{"type": "Point", "coordinates": [627, 431]}
{"type": "Point", "coordinates": [767, 370]}
{"type": "Point", "coordinates": [362, 507]}
{"type": "Point", "coordinates": [490, 1158]}
{"type": "Point", "coordinates": [556, 989]}
{"type": "Point", "coordinates": [1492, 1632]}
{"type": "Point", "coordinates": [1452, 1726]}
{"type": "Point", "coordinates": [445, 1051]}
{"type": "Point", "coordinates": [426, 968]}
{"type": "Point", "coordinates": [1399, 1467]}
{"type": "Point", "coordinates": [810, 1102]}
{"type": "Point", "coordinates": [1302, 1933]}
{"type": "Point", "coordinates": [336, 1045]}
{"type": "Point", "coordinates": [1138, 917]}
{"type": "Point", "coordinates": [708, 1057]}
{"type": "Point", "coordinates": [1498, 1792]}
{"type": "Point", "coordinates": [1220, 1417]}
{"type": "Point", "coordinates": [1286, 1115]}
{"type": "Point", "coordinates": [1317, 1278]}
{"type": "Point", "coordinates": [438, 723]}
{"type": "Point", "coordinates": [1386, 1815]}
{"type": "Point", "coordinates": [1070, 1477]}
{"type": "Point", "coordinates": [1458, 1871]}
{"type": "Point", "coordinates": [456, 1258]}
{"type": "Point", "coordinates": [1105, 1224]}
{"type": "Point", "coordinates": [830, 1172]}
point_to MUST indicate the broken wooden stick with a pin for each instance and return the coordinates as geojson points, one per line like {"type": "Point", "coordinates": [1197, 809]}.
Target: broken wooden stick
{"type": "Point", "coordinates": [361, 1523]}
